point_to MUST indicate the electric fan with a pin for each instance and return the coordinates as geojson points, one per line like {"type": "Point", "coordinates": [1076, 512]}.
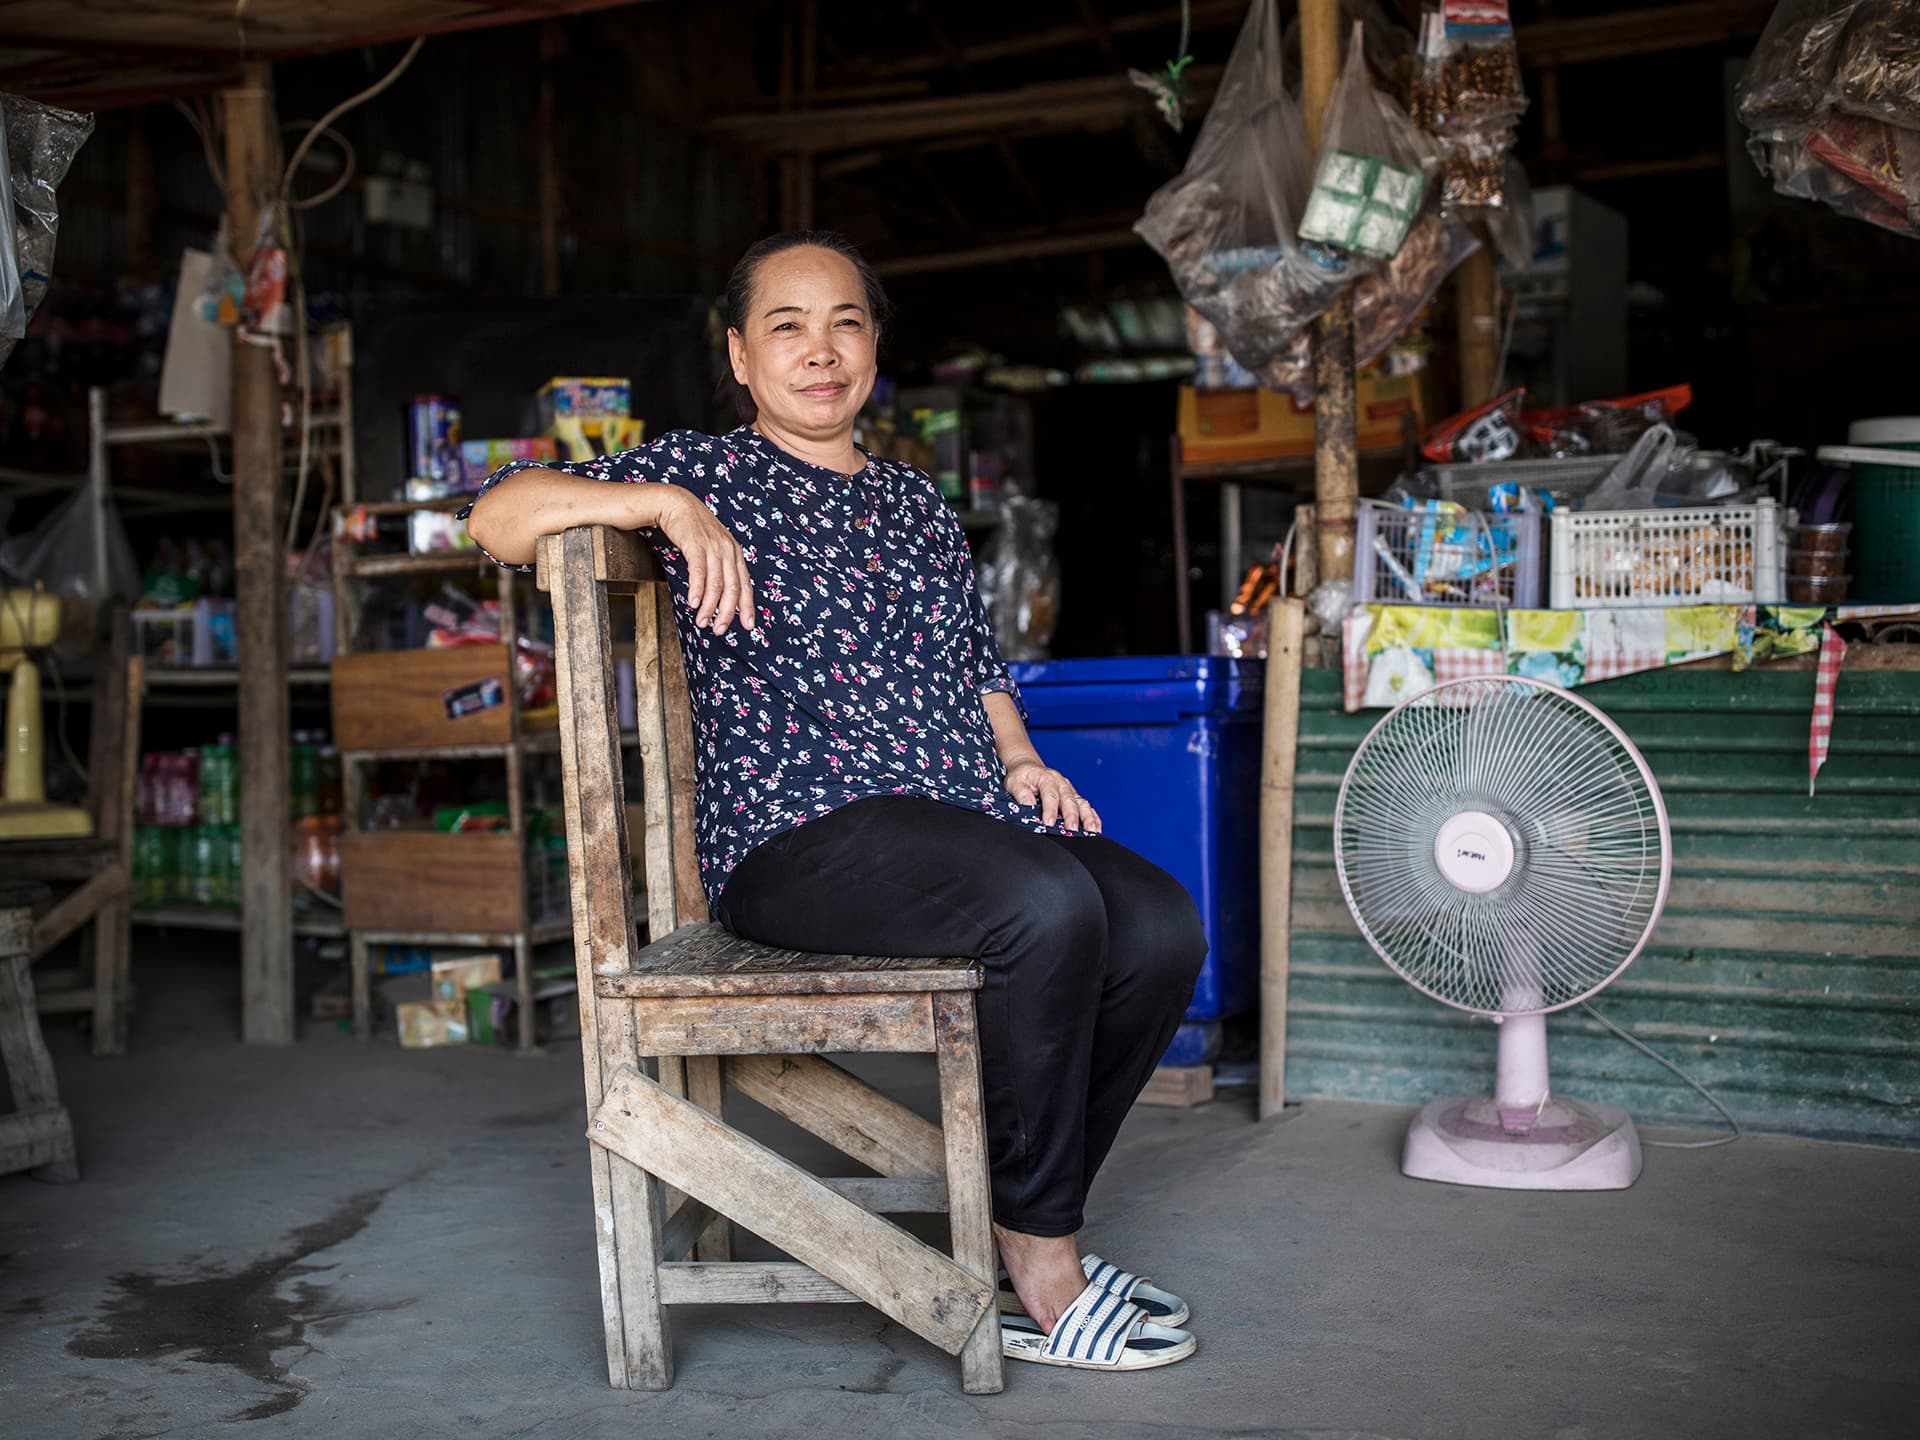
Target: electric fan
{"type": "Point", "coordinates": [1504, 848]}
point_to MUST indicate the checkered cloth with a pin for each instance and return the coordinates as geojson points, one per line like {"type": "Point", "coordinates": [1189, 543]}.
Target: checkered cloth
{"type": "Point", "coordinates": [1832, 651]}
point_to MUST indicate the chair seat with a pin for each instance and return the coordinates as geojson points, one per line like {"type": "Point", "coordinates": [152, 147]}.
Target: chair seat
{"type": "Point", "coordinates": [706, 959]}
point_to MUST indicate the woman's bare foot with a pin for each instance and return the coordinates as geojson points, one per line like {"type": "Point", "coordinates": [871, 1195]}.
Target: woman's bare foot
{"type": "Point", "coordinates": [1045, 1270]}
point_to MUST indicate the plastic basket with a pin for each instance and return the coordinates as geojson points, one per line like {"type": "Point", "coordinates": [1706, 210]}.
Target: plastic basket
{"type": "Point", "coordinates": [1711, 555]}
{"type": "Point", "coordinates": [1566, 480]}
{"type": "Point", "coordinates": [1413, 557]}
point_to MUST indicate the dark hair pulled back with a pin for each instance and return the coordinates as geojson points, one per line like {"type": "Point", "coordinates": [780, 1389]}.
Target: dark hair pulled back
{"type": "Point", "coordinates": [741, 283]}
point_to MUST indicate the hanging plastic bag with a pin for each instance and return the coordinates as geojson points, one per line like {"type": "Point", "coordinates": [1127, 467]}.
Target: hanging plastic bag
{"type": "Point", "coordinates": [1020, 576]}
{"type": "Point", "coordinates": [1389, 300]}
{"type": "Point", "coordinates": [1861, 57]}
{"type": "Point", "coordinates": [41, 144]}
{"type": "Point", "coordinates": [1373, 170]}
{"type": "Point", "coordinates": [13, 302]}
{"type": "Point", "coordinates": [1470, 98]}
{"type": "Point", "coordinates": [1225, 225]}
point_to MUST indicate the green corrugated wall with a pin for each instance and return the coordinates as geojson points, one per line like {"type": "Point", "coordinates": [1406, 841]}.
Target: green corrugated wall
{"type": "Point", "coordinates": [1785, 974]}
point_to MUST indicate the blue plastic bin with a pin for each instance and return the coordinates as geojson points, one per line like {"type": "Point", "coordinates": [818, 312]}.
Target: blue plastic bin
{"type": "Point", "coordinates": [1167, 748]}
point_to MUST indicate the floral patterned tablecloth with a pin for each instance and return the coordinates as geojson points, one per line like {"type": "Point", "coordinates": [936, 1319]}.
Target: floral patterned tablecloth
{"type": "Point", "coordinates": [1392, 653]}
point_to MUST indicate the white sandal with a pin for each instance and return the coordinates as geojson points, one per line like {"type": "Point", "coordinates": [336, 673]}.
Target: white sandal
{"type": "Point", "coordinates": [1099, 1331]}
{"type": "Point", "coordinates": [1162, 1307]}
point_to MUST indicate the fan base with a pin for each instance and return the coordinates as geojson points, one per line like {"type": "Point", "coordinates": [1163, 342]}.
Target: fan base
{"type": "Point", "coordinates": [1572, 1146]}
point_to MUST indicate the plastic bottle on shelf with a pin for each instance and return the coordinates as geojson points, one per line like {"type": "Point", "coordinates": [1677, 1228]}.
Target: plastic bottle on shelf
{"type": "Point", "coordinates": [196, 865]}
{"type": "Point", "coordinates": [186, 789]}
{"type": "Point", "coordinates": [149, 875]}
{"type": "Point", "coordinates": [303, 776]}
{"type": "Point", "coordinates": [211, 799]}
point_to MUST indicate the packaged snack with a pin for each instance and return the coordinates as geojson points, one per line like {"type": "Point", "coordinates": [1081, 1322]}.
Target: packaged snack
{"type": "Point", "coordinates": [1373, 168]}
{"type": "Point", "coordinates": [1486, 432]}
{"type": "Point", "coordinates": [1601, 427]}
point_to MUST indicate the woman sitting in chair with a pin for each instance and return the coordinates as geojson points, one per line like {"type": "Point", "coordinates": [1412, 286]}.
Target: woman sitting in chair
{"type": "Point", "coordinates": [865, 782]}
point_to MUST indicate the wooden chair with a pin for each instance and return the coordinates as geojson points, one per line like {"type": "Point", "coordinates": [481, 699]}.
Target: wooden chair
{"type": "Point", "coordinates": [99, 867]}
{"type": "Point", "coordinates": [666, 1029]}
{"type": "Point", "coordinates": [38, 1135]}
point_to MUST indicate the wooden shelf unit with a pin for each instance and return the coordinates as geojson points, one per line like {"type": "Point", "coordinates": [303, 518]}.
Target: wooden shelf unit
{"type": "Point", "coordinates": [422, 887]}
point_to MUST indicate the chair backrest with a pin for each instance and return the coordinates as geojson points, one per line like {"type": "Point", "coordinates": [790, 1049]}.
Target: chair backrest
{"type": "Point", "coordinates": [579, 570]}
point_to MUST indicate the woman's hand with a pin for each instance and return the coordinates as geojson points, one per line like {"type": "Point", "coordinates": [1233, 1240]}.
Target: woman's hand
{"type": "Point", "coordinates": [719, 589]}
{"type": "Point", "coordinates": [1032, 783]}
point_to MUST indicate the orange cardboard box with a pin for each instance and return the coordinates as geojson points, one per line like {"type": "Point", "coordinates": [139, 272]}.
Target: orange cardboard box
{"type": "Point", "coordinates": [1263, 424]}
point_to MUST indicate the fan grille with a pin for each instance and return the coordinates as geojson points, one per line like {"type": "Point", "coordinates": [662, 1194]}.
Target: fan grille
{"type": "Point", "coordinates": [1589, 830]}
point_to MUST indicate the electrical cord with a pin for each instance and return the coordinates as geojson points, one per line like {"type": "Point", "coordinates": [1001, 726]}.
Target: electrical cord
{"type": "Point", "coordinates": [1710, 1097]}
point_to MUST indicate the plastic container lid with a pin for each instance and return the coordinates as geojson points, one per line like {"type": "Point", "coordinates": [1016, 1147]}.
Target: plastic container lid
{"type": "Point", "coordinates": [1889, 430]}
{"type": "Point", "coordinates": [1860, 455]}
{"type": "Point", "coordinates": [1842, 527]}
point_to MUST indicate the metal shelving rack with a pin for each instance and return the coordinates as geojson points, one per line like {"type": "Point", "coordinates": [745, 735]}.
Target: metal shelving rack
{"type": "Point", "coordinates": [195, 686]}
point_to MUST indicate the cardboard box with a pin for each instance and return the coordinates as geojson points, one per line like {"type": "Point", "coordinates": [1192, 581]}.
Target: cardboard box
{"type": "Point", "coordinates": [1265, 424]}
{"type": "Point", "coordinates": [480, 458]}
{"type": "Point", "coordinates": [584, 397]}
{"type": "Point", "coordinates": [589, 416]}
{"type": "Point", "coordinates": [457, 974]}
{"type": "Point", "coordinates": [435, 1022]}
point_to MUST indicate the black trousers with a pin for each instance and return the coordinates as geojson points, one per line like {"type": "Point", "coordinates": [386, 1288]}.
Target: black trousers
{"type": "Point", "coordinates": [1090, 954]}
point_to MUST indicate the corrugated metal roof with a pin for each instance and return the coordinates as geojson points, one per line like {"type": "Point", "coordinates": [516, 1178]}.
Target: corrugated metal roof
{"type": "Point", "coordinates": [1785, 975]}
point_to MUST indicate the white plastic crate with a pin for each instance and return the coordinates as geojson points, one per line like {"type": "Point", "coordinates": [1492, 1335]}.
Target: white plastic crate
{"type": "Point", "coordinates": [1711, 555]}
{"type": "Point", "coordinates": [1413, 557]}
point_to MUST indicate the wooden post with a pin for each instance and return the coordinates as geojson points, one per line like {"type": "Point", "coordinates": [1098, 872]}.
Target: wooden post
{"type": "Point", "coordinates": [1477, 298]}
{"type": "Point", "coordinates": [260, 571]}
{"type": "Point", "coordinates": [1336, 461]}
{"type": "Point", "coordinates": [141, 201]}
{"type": "Point", "coordinates": [1280, 744]}
{"type": "Point", "coordinates": [546, 157]}
{"type": "Point", "coordinates": [799, 55]}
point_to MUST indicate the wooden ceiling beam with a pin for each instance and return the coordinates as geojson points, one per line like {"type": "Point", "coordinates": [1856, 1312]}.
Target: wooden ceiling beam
{"type": "Point", "coordinates": [982, 256]}
{"type": "Point", "coordinates": [1688, 24]}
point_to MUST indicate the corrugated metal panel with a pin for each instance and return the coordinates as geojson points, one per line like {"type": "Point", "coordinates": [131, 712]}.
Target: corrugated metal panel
{"type": "Point", "coordinates": [1785, 975]}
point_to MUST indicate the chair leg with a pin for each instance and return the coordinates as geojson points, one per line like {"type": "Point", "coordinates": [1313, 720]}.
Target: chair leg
{"type": "Point", "coordinates": [707, 1089]}
{"type": "Point", "coordinates": [112, 926]}
{"type": "Point", "coordinates": [629, 1210]}
{"type": "Point", "coordinates": [969, 1197]}
{"type": "Point", "coordinates": [358, 961]}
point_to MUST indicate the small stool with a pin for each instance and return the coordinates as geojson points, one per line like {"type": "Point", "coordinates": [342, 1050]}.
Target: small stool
{"type": "Point", "coordinates": [668, 1029]}
{"type": "Point", "coordinates": [38, 1135]}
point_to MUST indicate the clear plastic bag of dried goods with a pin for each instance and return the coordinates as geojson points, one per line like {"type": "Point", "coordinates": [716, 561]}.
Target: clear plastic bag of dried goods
{"type": "Point", "coordinates": [1374, 167]}
{"type": "Point", "coordinates": [1020, 576]}
{"type": "Point", "coordinates": [1863, 169]}
{"type": "Point", "coordinates": [1475, 80]}
{"type": "Point", "coordinates": [1861, 57]}
{"type": "Point", "coordinates": [1386, 302]}
{"type": "Point", "coordinates": [41, 144]}
{"type": "Point", "coordinates": [1226, 224]}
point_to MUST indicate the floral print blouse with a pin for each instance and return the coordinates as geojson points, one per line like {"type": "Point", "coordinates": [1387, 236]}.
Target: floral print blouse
{"type": "Point", "coordinates": [872, 652]}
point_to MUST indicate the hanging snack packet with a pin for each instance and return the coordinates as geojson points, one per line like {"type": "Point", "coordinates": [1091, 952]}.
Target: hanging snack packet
{"type": "Point", "coordinates": [1373, 170]}
{"type": "Point", "coordinates": [1225, 224]}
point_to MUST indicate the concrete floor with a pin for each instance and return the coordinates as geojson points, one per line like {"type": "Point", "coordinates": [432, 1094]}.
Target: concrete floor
{"type": "Point", "coordinates": [335, 1241]}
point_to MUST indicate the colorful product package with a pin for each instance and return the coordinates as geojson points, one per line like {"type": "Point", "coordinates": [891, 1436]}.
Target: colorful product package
{"type": "Point", "coordinates": [589, 416]}
{"type": "Point", "coordinates": [432, 531]}
{"type": "Point", "coordinates": [480, 458]}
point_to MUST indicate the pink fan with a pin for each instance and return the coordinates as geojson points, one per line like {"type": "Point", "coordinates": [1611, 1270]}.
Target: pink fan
{"type": "Point", "coordinates": [1504, 848]}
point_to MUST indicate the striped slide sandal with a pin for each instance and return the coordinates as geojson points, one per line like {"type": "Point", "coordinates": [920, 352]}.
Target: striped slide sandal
{"type": "Point", "coordinates": [1161, 1307]}
{"type": "Point", "coordinates": [1099, 1331]}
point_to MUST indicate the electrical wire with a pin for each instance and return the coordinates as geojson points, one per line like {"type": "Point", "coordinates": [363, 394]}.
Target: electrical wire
{"type": "Point", "coordinates": [296, 270]}
{"type": "Point", "coordinates": [1710, 1097]}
